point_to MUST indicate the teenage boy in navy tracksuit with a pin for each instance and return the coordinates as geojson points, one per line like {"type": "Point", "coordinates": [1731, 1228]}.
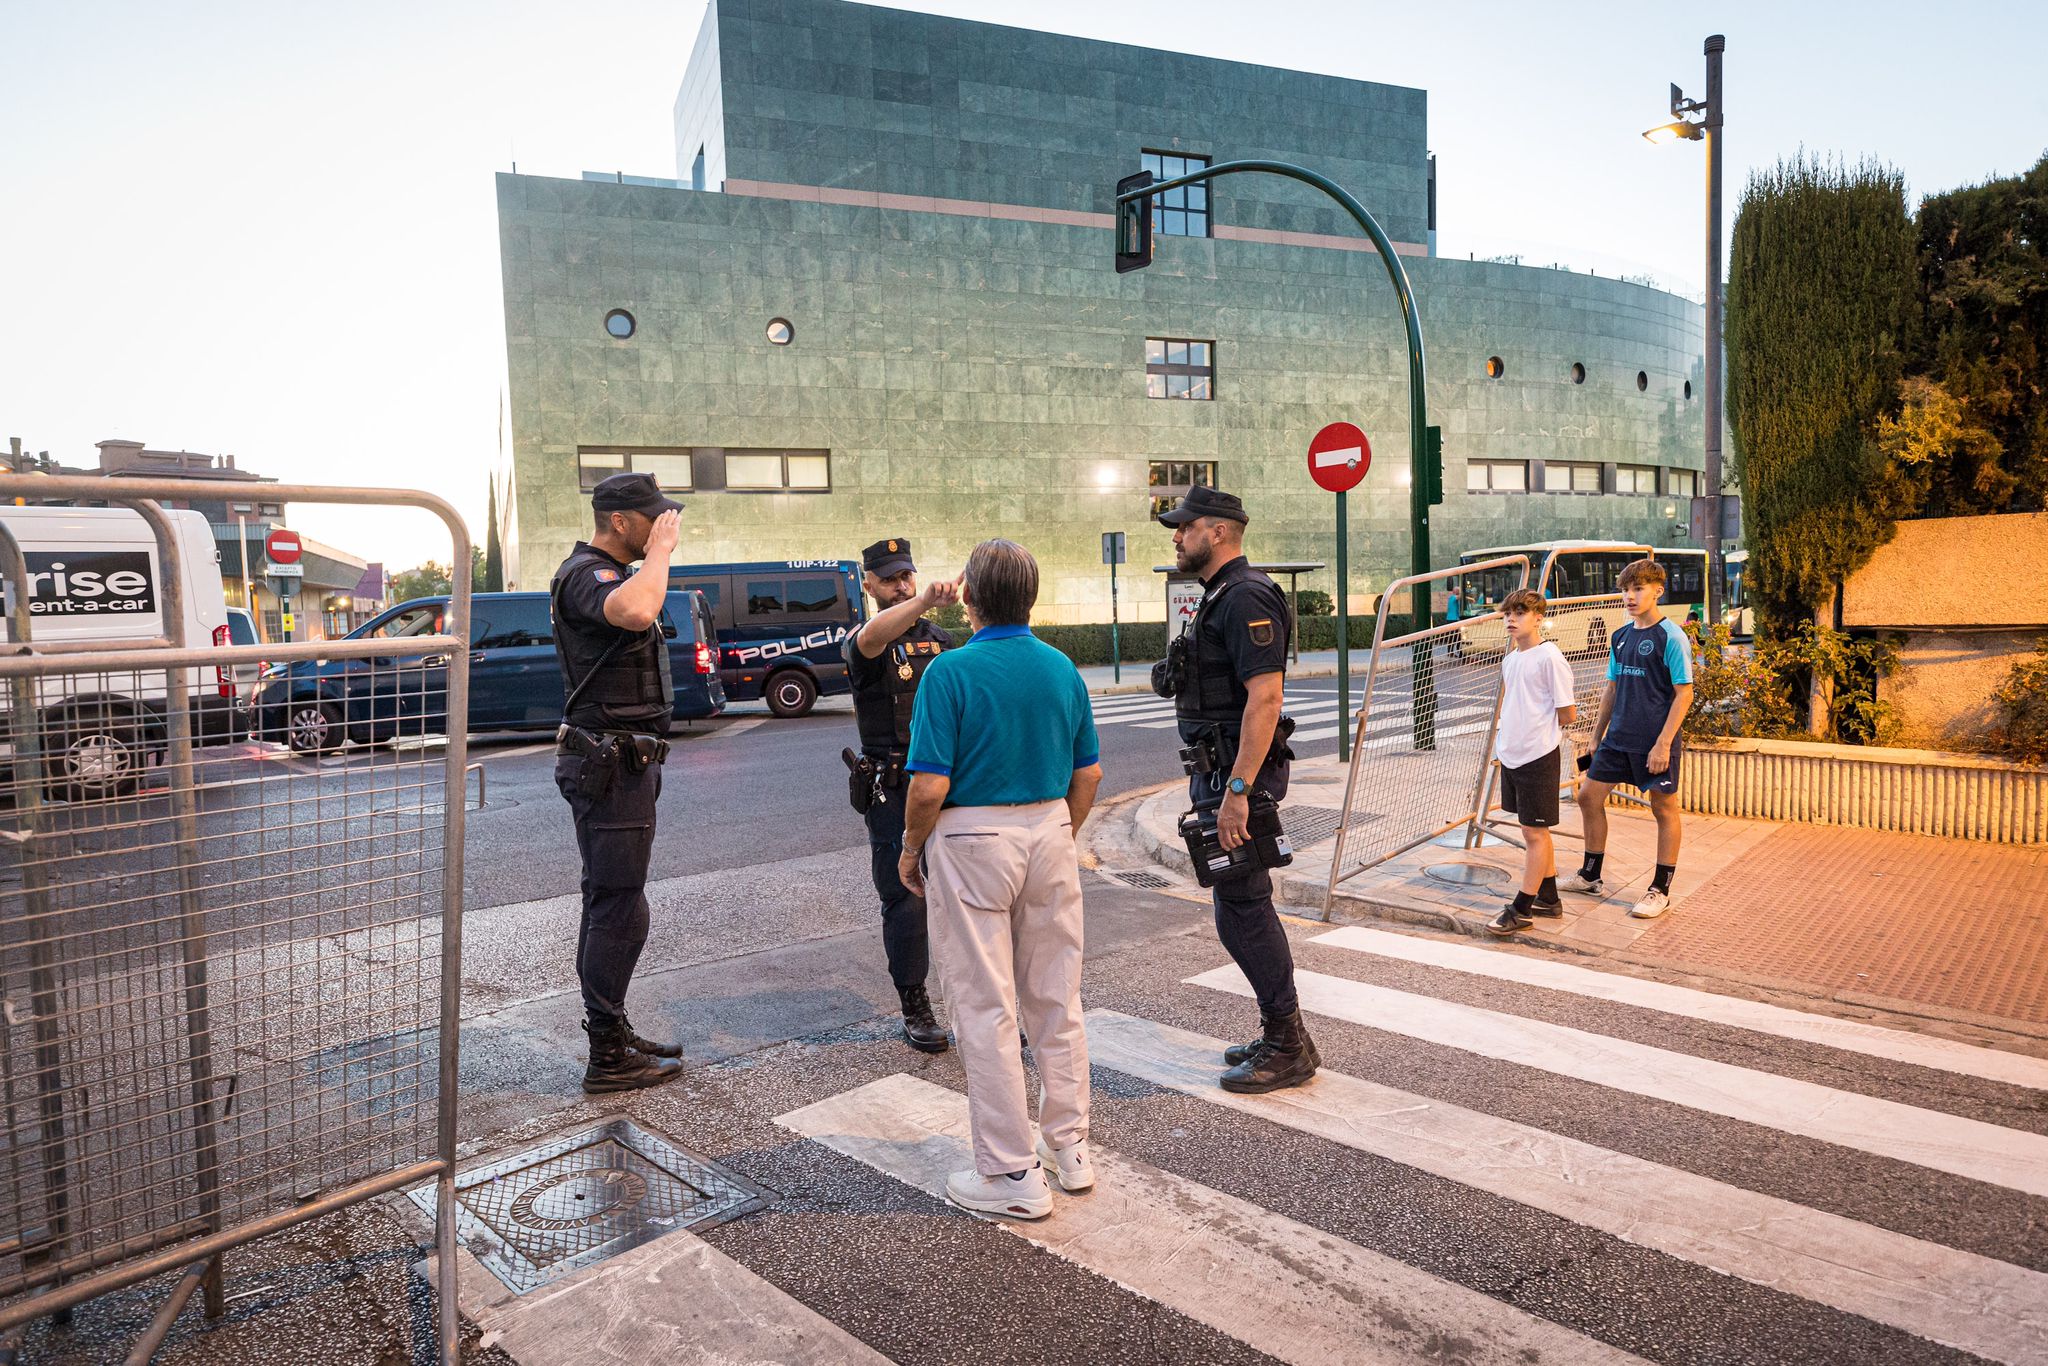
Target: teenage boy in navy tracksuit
{"type": "Point", "coordinates": [1635, 738]}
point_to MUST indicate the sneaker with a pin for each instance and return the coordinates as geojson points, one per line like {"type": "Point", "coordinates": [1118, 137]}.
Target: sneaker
{"type": "Point", "coordinates": [1653, 904]}
{"type": "Point", "coordinates": [1024, 1196]}
{"type": "Point", "coordinates": [1508, 921]}
{"type": "Point", "coordinates": [1585, 886]}
{"type": "Point", "coordinates": [1069, 1165]}
{"type": "Point", "coordinates": [1547, 908]}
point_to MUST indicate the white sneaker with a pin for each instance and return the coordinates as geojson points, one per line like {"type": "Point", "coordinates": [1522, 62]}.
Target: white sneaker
{"type": "Point", "coordinates": [1585, 886]}
{"type": "Point", "coordinates": [1012, 1197]}
{"type": "Point", "coordinates": [1653, 904]}
{"type": "Point", "coordinates": [1070, 1165]}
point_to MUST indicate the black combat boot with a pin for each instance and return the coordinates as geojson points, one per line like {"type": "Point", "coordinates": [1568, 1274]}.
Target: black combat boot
{"type": "Point", "coordinates": [648, 1046]}
{"type": "Point", "coordinates": [615, 1065]}
{"type": "Point", "coordinates": [1239, 1052]}
{"type": "Point", "coordinates": [1284, 1056]}
{"type": "Point", "coordinates": [920, 1026]}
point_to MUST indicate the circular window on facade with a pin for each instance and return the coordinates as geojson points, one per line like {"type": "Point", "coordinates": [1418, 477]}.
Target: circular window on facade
{"type": "Point", "coordinates": [780, 333]}
{"type": "Point", "coordinates": [1642, 381]}
{"type": "Point", "coordinates": [1495, 367]}
{"type": "Point", "coordinates": [1688, 391]}
{"type": "Point", "coordinates": [619, 323]}
{"type": "Point", "coordinates": [1578, 373]}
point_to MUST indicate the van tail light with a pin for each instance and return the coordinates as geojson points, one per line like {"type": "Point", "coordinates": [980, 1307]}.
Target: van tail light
{"type": "Point", "coordinates": [705, 662]}
{"type": "Point", "coordinates": [221, 678]}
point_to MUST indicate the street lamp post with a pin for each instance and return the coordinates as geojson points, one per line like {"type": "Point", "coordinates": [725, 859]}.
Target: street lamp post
{"type": "Point", "coordinates": [1708, 130]}
{"type": "Point", "coordinates": [242, 511]}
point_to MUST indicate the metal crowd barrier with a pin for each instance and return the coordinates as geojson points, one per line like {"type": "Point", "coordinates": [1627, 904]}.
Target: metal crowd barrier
{"type": "Point", "coordinates": [229, 975]}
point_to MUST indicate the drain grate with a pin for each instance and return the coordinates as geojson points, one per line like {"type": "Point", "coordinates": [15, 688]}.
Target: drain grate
{"type": "Point", "coordinates": [1307, 825]}
{"type": "Point", "coordinates": [1142, 879]}
{"type": "Point", "coordinates": [576, 1200]}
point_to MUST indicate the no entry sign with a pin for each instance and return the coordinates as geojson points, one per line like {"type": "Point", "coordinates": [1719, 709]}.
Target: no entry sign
{"type": "Point", "coordinates": [1339, 457]}
{"type": "Point", "coordinates": [282, 547]}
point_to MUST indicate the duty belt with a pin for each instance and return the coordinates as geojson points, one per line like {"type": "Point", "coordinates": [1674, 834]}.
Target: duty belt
{"type": "Point", "coordinates": [637, 750]}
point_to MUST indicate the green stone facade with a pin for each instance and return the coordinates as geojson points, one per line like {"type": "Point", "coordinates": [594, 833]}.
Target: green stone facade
{"type": "Point", "coordinates": [926, 202]}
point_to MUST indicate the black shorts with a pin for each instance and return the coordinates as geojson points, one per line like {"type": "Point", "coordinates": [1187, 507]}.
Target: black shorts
{"type": "Point", "coordinates": [1612, 765]}
{"type": "Point", "coordinates": [1529, 793]}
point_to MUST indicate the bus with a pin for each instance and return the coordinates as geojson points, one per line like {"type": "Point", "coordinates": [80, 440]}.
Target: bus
{"type": "Point", "coordinates": [1584, 569]}
{"type": "Point", "coordinates": [1736, 611]}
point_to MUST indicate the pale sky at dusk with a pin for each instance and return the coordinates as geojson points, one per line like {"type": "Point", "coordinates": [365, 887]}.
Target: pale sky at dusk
{"type": "Point", "coordinates": [270, 229]}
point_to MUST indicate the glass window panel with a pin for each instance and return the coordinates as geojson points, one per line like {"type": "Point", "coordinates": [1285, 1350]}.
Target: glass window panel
{"type": "Point", "coordinates": [593, 466]}
{"type": "Point", "coordinates": [1174, 223]}
{"type": "Point", "coordinates": [813, 594]}
{"type": "Point", "coordinates": [516, 622]}
{"type": "Point", "coordinates": [1557, 479]}
{"type": "Point", "coordinates": [1155, 386]}
{"type": "Point", "coordinates": [671, 470]}
{"type": "Point", "coordinates": [1585, 479]}
{"type": "Point", "coordinates": [1514, 477]}
{"type": "Point", "coordinates": [1177, 353]}
{"type": "Point", "coordinates": [764, 596]}
{"type": "Point", "coordinates": [1150, 162]}
{"type": "Point", "coordinates": [1207, 472]}
{"type": "Point", "coordinates": [1475, 479]}
{"type": "Point", "coordinates": [1198, 353]}
{"type": "Point", "coordinates": [810, 472]}
{"type": "Point", "coordinates": [1198, 386]}
{"type": "Point", "coordinates": [1155, 351]}
{"type": "Point", "coordinates": [710, 588]}
{"type": "Point", "coordinates": [1159, 473]}
{"type": "Point", "coordinates": [1176, 386]}
{"type": "Point", "coordinates": [1198, 198]}
{"type": "Point", "coordinates": [1180, 474]}
{"type": "Point", "coordinates": [755, 471]}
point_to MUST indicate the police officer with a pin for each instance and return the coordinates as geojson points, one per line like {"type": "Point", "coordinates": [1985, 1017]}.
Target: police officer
{"type": "Point", "coordinates": [1230, 691]}
{"type": "Point", "coordinates": [618, 704]}
{"type": "Point", "coordinates": [884, 662]}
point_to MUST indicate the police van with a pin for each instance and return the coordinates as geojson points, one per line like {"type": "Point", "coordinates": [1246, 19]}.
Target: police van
{"type": "Point", "coordinates": [94, 579]}
{"type": "Point", "coordinates": [782, 626]}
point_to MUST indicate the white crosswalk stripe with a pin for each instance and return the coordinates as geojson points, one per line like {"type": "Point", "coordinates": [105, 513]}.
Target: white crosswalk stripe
{"type": "Point", "coordinates": [1286, 1289]}
{"type": "Point", "coordinates": [1927, 1138]}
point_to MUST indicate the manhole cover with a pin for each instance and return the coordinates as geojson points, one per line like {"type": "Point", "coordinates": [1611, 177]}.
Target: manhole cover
{"type": "Point", "coordinates": [1142, 879]}
{"type": "Point", "coordinates": [573, 1201]}
{"type": "Point", "coordinates": [1468, 874]}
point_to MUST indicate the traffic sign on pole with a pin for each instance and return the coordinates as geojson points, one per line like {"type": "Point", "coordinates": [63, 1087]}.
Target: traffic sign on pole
{"type": "Point", "coordinates": [282, 547]}
{"type": "Point", "coordinates": [1338, 457]}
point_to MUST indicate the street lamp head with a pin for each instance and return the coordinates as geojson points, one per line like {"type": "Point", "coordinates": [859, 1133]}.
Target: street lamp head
{"type": "Point", "coordinates": [1673, 132]}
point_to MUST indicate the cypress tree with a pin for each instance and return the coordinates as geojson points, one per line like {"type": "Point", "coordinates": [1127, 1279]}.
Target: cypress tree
{"type": "Point", "coordinates": [1820, 293]}
{"type": "Point", "coordinates": [494, 555]}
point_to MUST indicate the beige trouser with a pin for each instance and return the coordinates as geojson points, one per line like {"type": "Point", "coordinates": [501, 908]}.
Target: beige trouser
{"type": "Point", "coordinates": [1003, 902]}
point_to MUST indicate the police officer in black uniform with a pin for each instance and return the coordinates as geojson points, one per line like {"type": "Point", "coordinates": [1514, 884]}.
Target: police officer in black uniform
{"type": "Point", "coordinates": [884, 661]}
{"type": "Point", "coordinates": [619, 703]}
{"type": "Point", "coordinates": [1227, 686]}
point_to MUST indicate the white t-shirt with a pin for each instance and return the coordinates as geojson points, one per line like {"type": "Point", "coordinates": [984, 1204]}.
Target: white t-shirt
{"type": "Point", "coordinates": [1534, 684]}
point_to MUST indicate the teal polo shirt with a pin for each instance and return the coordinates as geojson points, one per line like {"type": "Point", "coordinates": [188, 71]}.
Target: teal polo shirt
{"type": "Point", "coordinates": [1006, 717]}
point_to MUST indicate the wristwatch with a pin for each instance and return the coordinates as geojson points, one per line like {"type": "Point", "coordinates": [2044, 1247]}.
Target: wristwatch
{"type": "Point", "coordinates": [1238, 787]}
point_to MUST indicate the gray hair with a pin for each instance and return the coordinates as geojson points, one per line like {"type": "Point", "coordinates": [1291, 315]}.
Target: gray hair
{"type": "Point", "coordinates": [1002, 583]}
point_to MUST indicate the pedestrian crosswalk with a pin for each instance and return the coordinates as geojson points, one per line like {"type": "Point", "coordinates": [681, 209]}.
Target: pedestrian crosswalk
{"type": "Point", "coordinates": [1509, 1157]}
{"type": "Point", "coordinates": [1314, 713]}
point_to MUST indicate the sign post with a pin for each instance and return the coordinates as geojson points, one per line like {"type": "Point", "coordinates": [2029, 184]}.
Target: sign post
{"type": "Point", "coordinates": [283, 550]}
{"type": "Point", "coordinates": [1338, 458]}
{"type": "Point", "coordinates": [1113, 555]}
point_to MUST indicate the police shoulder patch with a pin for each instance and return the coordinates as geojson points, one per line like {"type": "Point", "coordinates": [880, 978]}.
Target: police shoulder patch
{"type": "Point", "coordinates": [607, 575]}
{"type": "Point", "coordinates": [1261, 631]}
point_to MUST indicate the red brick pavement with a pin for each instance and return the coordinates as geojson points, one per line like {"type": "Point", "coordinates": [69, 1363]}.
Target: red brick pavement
{"type": "Point", "coordinates": [1949, 923]}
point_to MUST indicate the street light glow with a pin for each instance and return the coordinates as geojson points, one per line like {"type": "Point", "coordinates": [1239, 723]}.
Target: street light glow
{"type": "Point", "coordinates": [1672, 132]}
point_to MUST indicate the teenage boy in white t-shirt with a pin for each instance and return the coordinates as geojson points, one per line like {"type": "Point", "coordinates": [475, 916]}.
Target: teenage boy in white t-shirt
{"type": "Point", "coordinates": [1537, 703]}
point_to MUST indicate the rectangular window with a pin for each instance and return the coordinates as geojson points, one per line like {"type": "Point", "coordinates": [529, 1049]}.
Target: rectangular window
{"type": "Point", "coordinates": [1497, 476]}
{"type": "Point", "coordinates": [1562, 477]}
{"type": "Point", "coordinates": [764, 597]}
{"type": "Point", "coordinates": [670, 465]}
{"type": "Point", "coordinates": [773, 471]}
{"type": "Point", "coordinates": [514, 622]}
{"type": "Point", "coordinates": [272, 510]}
{"type": "Point", "coordinates": [1682, 483]}
{"type": "Point", "coordinates": [1183, 212]}
{"type": "Point", "coordinates": [1171, 479]}
{"type": "Point", "coordinates": [819, 594]}
{"type": "Point", "coordinates": [1635, 479]}
{"type": "Point", "coordinates": [1176, 367]}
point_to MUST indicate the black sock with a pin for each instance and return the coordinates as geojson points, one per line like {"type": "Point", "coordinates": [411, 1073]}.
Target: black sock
{"type": "Point", "coordinates": [1523, 901]}
{"type": "Point", "coordinates": [1548, 891]}
{"type": "Point", "coordinates": [1591, 869]}
{"type": "Point", "coordinates": [1662, 882]}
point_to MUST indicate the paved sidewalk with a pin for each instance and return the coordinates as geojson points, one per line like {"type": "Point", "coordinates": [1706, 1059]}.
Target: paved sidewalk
{"type": "Point", "coordinates": [1138, 676]}
{"type": "Point", "coordinates": [1953, 929]}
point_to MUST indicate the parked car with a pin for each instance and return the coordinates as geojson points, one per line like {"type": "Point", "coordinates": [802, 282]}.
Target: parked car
{"type": "Point", "coordinates": [94, 578]}
{"type": "Point", "coordinates": [782, 625]}
{"type": "Point", "coordinates": [515, 675]}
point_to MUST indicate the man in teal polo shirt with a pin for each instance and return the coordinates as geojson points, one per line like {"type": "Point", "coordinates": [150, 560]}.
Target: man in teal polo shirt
{"type": "Point", "coordinates": [1004, 766]}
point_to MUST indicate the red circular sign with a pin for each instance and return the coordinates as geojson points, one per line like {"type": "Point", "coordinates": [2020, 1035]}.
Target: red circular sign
{"type": "Point", "coordinates": [282, 547]}
{"type": "Point", "coordinates": [1339, 457]}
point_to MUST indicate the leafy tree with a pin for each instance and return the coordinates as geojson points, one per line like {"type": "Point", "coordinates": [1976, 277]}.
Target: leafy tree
{"type": "Point", "coordinates": [1982, 341]}
{"type": "Point", "coordinates": [427, 581]}
{"type": "Point", "coordinates": [1820, 294]}
{"type": "Point", "coordinates": [494, 553]}
{"type": "Point", "coordinates": [2022, 702]}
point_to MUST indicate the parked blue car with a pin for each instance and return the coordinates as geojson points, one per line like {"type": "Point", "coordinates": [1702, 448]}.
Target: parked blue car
{"type": "Point", "coordinates": [515, 676]}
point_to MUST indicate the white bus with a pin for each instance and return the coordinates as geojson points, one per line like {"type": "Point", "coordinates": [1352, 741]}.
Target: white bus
{"type": "Point", "coordinates": [1585, 569]}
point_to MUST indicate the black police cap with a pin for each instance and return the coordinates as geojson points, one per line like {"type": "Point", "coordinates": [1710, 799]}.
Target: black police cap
{"type": "Point", "coordinates": [632, 493]}
{"type": "Point", "coordinates": [1203, 501]}
{"type": "Point", "coordinates": [884, 559]}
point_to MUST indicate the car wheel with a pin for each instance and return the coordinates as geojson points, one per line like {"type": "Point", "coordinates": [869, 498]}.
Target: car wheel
{"type": "Point", "coordinates": [313, 727]}
{"type": "Point", "coordinates": [791, 693]}
{"type": "Point", "coordinates": [97, 756]}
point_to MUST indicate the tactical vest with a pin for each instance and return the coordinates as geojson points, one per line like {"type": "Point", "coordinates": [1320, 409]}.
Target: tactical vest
{"type": "Point", "coordinates": [1213, 692]}
{"type": "Point", "coordinates": [630, 687]}
{"type": "Point", "coordinates": [882, 707]}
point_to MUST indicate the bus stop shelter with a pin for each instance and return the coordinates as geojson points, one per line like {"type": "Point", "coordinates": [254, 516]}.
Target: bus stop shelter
{"type": "Point", "coordinates": [1181, 605]}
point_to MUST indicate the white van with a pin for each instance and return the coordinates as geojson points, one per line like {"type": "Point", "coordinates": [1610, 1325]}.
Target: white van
{"type": "Point", "coordinates": [94, 577]}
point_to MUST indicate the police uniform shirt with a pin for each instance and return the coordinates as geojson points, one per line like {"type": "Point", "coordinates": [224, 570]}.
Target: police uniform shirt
{"type": "Point", "coordinates": [586, 580]}
{"type": "Point", "coordinates": [882, 678]}
{"type": "Point", "coordinates": [1243, 628]}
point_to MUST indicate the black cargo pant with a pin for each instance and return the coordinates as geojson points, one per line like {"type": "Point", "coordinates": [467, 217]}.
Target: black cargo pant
{"type": "Point", "coordinates": [1245, 919]}
{"type": "Point", "coordinates": [615, 836]}
{"type": "Point", "coordinates": [904, 938]}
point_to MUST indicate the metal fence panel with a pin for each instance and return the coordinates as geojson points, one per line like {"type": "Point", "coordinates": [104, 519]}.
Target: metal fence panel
{"type": "Point", "coordinates": [229, 971]}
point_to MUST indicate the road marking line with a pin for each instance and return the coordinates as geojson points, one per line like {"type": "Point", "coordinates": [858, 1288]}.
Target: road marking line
{"type": "Point", "coordinates": [1927, 1138]}
{"type": "Point", "coordinates": [1284, 1288]}
{"type": "Point", "coordinates": [738, 727]}
{"type": "Point", "coordinates": [1960, 1299]}
{"type": "Point", "coordinates": [1854, 1036]}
